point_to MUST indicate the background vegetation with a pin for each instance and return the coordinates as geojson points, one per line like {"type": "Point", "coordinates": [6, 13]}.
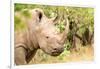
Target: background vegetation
{"type": "Point", "coordinates": [79, 45]}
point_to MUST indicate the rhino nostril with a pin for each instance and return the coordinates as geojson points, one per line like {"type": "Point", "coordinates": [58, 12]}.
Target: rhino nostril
{"type": "Point", "coordinates": [55, 49]}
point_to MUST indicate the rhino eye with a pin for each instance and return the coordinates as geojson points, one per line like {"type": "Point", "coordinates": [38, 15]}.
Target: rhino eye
{"type": "Point", "coordinates": [47, 37]}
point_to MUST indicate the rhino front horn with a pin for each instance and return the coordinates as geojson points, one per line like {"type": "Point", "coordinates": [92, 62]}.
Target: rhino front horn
{"type": "Point", "coordinates": [65, 32]}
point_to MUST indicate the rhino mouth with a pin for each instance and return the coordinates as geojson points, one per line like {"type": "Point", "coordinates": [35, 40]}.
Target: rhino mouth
{"type": "Point", "coordinates": [56, 53]}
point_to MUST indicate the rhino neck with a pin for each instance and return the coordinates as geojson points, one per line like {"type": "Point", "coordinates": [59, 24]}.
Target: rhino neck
{"type": "Point", "coordinates": [33, 43]}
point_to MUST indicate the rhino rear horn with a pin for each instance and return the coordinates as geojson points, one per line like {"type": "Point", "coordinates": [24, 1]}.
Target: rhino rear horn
{"type": "Point", "coordinates": [55, 19]}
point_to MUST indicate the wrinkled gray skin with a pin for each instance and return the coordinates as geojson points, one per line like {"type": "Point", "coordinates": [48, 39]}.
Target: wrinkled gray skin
{"type": "Point", "coordinates": [41, 34]}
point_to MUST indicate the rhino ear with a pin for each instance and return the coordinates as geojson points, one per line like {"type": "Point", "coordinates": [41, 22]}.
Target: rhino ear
{"type": "Point", "coordinates": [40, 15]}
{"type": "Point", "coordinates": [55, 19]}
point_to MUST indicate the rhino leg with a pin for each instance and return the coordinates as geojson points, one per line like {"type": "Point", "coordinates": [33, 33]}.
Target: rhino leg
{"type": "Point", "coordinates": [20, 56]}
{"type": "Point", "coordinates": [30, 55]}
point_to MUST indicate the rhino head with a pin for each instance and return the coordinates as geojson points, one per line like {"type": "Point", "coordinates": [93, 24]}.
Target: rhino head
{"type": "Point", "coordinates": [49, 39]}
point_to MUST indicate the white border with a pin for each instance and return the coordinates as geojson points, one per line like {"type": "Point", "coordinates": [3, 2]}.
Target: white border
{"type": "Point", "coordinates": [78, 3]}
{"type": "Point", "coordinates": [12, 34]}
